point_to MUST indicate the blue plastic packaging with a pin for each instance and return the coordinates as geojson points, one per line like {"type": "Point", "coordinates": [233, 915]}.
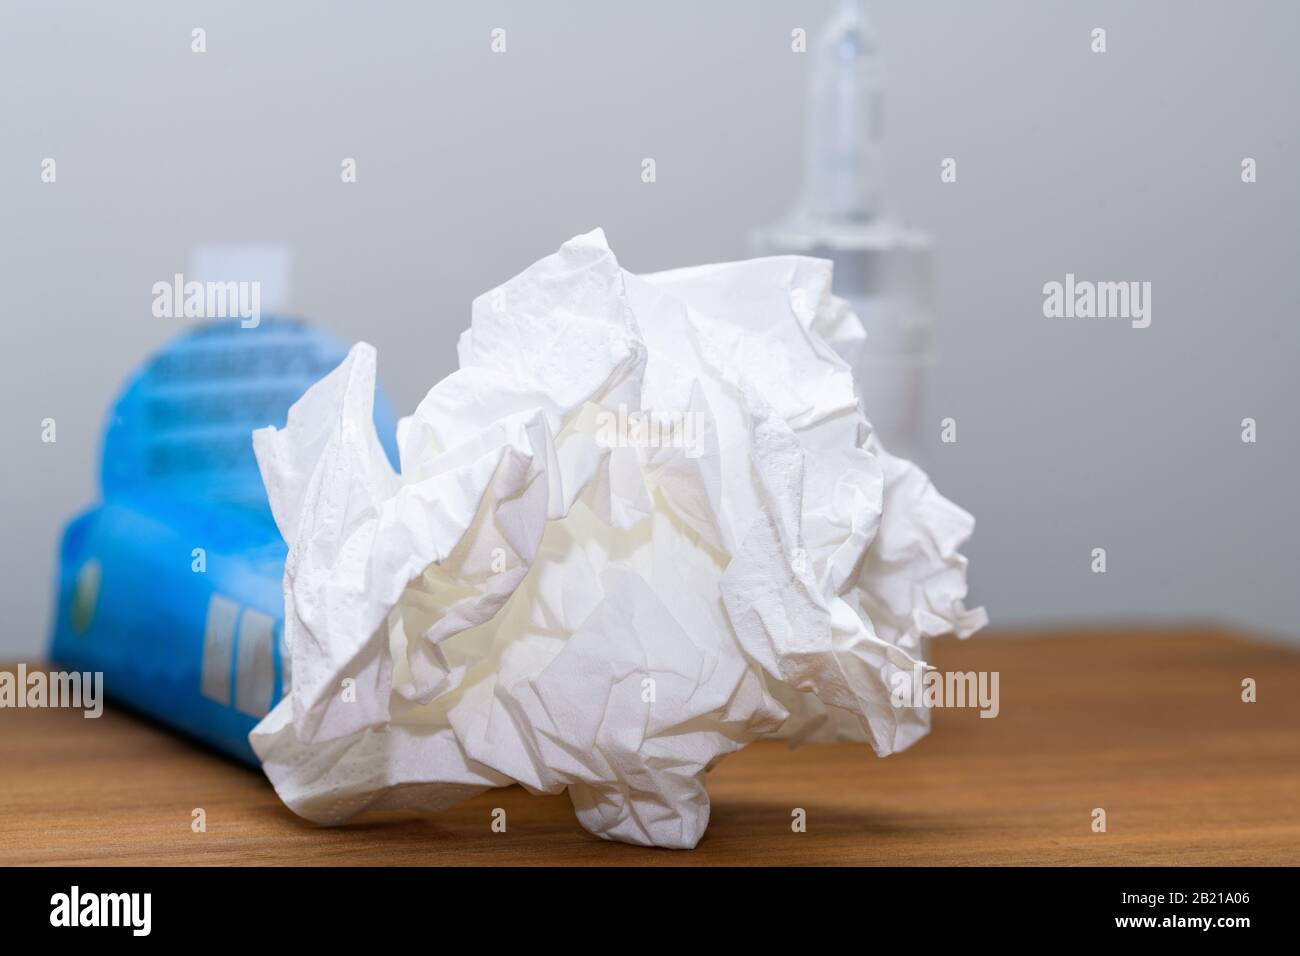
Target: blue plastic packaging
{"type": "Point", "coordinates": [172, 586]}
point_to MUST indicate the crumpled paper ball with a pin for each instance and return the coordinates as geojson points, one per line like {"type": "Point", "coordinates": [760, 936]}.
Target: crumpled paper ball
{"type": "Point", "coordinates": [644, 524]}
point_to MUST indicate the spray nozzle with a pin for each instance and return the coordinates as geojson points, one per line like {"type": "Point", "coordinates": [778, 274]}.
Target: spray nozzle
{"type": "Point", "coordinates": [843, 162]}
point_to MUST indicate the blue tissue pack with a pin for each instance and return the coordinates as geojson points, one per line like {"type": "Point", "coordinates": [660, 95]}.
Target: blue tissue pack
{"type": "Point", "coordinates": [172, 585]}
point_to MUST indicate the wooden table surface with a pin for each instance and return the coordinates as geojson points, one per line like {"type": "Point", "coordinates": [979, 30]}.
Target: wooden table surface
{"type": "Point", "coordinates": [1148, 725]}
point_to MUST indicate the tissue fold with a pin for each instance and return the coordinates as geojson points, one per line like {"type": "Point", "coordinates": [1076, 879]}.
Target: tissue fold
{"type": "Point", "coordinates": [644, 524]}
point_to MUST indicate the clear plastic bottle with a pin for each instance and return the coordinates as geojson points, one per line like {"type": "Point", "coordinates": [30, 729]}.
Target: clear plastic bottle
{"type": "Point", "coordinates": [882, 267]}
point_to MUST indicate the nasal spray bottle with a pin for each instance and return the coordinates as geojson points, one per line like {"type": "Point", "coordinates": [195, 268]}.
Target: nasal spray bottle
{"type": "Point", "coordinates": [881, 267]}
{"type": "Point", "coordinates": [171, 585]}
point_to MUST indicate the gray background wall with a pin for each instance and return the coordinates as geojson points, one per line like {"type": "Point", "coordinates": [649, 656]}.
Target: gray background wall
{"type": "Point", "coordinates": [471, 165]}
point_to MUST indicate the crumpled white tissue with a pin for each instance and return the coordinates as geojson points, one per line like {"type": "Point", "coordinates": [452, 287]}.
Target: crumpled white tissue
{"type": "Point", "coordinates": [556, 593]}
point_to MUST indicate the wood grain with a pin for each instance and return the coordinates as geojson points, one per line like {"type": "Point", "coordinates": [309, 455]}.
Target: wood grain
{"type": "Point", "coordinates": [1148, 725]}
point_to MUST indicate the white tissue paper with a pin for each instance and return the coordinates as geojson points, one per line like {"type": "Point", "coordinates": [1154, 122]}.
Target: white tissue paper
{"type": "Point", "coordinates": [644, 524]}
